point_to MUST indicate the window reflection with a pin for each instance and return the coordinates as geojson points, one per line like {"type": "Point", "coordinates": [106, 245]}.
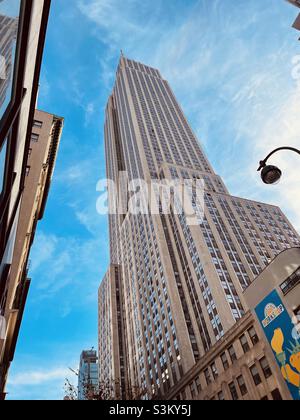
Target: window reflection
{"type": "Point", "coordinates": [9, 20]}
{"type": "Point", "coordinates": [2, 165]}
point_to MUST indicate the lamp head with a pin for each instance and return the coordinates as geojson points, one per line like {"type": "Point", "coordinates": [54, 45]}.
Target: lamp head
{"type": "Point", "coordinates": [271, 175]}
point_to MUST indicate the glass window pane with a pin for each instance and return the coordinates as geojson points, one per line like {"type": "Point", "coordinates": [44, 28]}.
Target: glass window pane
{"type": "Point", "coordinates": [2, 165]}
{"type": "Point", "coordinates": [9, 14]}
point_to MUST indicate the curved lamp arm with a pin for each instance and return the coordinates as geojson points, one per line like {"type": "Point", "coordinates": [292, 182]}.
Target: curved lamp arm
{"type": "Point", "coordinates": [263, 163]}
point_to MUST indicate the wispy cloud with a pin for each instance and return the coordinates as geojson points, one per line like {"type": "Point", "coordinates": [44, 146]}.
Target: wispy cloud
{"type": "Point", "coordinates": [231, 71]}
{"type": "Point", "coordinates": [39, 377]}
{"type": "Point", "coordinates": [66, 266]}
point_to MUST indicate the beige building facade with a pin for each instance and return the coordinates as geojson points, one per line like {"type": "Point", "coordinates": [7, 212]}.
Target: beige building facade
{"type": "Point", "coordinates": [42, 153]}
{"type": "Point", "coordinates": [182, 283]}
{"type": "Point", "coordinates": [241, 366]}
{"type": "Point", "coordinates": [22, 37]}
{"type": "Point", "coordinates": [111, 344]}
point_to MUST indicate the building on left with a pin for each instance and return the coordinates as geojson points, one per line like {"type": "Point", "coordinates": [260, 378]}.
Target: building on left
{"type": "Point", "coordinates": [27, 159]}
{"type": "Point", "coordinates": [296, 24]}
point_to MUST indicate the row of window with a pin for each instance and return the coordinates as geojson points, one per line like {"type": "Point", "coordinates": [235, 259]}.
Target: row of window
{"type": "Point", "coordinates": [291, 282]}
{"type": "Point", "coordinates": [211, 373]}
{"type": "Point", "coordinates": [240, 383]}
{"type": "Point", "coordinates": [9, 23]}
{"type": "Point", "coordinates": [238, 387]}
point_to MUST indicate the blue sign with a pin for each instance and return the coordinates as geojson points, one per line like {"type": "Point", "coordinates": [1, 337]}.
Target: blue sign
{"type": "Point", "coordinates": [280, 332]}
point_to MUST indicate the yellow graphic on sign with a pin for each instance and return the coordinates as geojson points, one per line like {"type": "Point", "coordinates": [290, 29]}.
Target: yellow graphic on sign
{"type": "Point", "coordinates": [288, 373]}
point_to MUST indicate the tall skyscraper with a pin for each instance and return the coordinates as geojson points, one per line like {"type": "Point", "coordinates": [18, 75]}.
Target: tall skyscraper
{"type": "Point", "coordinates": [181, 284]}
{"type": "Point", "coordinates": [88, 378]}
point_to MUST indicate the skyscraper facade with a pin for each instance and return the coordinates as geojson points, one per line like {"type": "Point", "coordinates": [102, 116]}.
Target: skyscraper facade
{"type": "Point", "coordinates": [181, 284]}
{"type": "Point", "coordinates": [112, 356]}
{"type": "Point", "coordinates": [88, 377]}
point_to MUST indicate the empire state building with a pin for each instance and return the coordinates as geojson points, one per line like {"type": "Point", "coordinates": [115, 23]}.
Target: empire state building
{"type": "Point", "coordinates": [173, 290]}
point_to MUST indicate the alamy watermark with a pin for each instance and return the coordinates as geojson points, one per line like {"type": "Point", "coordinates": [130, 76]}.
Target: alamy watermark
{"type": "Point", "coordinates": [135, 197]}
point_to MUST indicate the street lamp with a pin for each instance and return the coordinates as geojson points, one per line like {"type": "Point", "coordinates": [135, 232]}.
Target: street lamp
{"type": "Point", "coordinates": [271, 174]}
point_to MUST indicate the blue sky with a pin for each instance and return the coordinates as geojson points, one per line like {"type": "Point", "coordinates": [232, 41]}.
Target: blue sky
{"type": "Point", "coordinates": [233, 66]}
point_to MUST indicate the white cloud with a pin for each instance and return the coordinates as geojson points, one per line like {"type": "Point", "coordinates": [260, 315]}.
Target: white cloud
{"type": "Point", "coordinates": [66, 267]}
{"type": "Point", "coordinates": [38, 377]}
{"type": "Point", "coordinates": [45, 251]}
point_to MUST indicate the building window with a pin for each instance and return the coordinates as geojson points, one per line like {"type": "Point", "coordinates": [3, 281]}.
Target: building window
{"type": "Point", "coordinates": [242, 385]}
{"type": "Point", "coordinates": [221, 396]}
{"type": "Point", "coordinates": [225, 361]}
{"type": "Point", "coordinates": [253, 336]}
{"type": "Point", "coordinates": [2, 165]}
{"type": "Point", "coordinates": [193, 390]}
{"type": "Point", "coordinates": [232, 354]}
{"type": "Point", "coordinates": [214, 371]}
{"type": "Point", "coordinates": [265, 398]}
{"type": "Point", "coordinates": [9, 21]}
{"type": "Point", "coordinates": [198, 384]}
{"type": "Point", "coordinates": [35, 137]}
{"type": "Point", "coordinates": [291, 282]}
{"type": "Point", "coordinates": [297, 311]}
{"type": "Point", "coordinates": [207, 376]}
{"type": "Point", "coordinates": [276, 395]}
{"type": "Point", "coordinates": [27, 170]}
{"type": "Point", "coordinates": [255, 375]}
{"type": "Point", "coordinates": [38, 124]}
{"type": "Point", "coordinates": [233, 391]}
{"type": "Point", "coordinates": [245, 344]}
{"type": "Point", "coordinates": [265, 367]}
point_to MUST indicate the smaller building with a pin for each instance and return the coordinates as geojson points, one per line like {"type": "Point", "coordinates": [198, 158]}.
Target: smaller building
{"type": "Point", "coordinates": [239, 367]}
{"type": "Point", "coordinates": [274, 298]}
{"type": "Point", "coordinates": [88, 378]}
{"type": "Point", "coordinates": [258, 359]}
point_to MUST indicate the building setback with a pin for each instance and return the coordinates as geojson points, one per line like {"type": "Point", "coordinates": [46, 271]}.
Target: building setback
{"type": "Point", "coordinates": [22, 36]}
{"type": "Point", "coordinates": [112, 352]}
{"type": "Point", "coordinates": [182, 286]}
